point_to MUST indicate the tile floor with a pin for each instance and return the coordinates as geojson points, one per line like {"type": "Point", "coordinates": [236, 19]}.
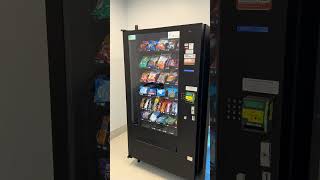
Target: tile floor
{"type": "Point", "coordinates": [123, 168]}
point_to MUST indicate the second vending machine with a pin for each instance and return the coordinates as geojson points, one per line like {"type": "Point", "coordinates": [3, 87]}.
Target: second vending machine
{"type": "Point", "coordinates": [167, 92]}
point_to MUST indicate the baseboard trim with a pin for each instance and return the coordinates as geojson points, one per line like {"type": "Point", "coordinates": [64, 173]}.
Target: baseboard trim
{"type": "Point", "coordinates": [117, 132]}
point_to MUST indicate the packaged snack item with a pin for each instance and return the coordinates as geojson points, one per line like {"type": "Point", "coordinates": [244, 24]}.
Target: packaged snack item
{"type": "Point", "coordinates": [143, 100]}
{"type": "Point", "coordinates": [155, 104]}
{"type": "Point", "coordinates": [162, 45]}
{"type": "Point", "coordinates": [168, 109]}
{"type": "Point", "coordinates": [150, 104]}
{"type": "Point", "coordinates": [144, 62]}
{"type": "Point", "coordinates": [162, 62]}
{"type": "Point", "coordinates": [153, 76]}
{"type": "Point", "coordinates": [160, 104]}
{"type": "Point", "coordinates": [144, 76]}
{"type": "Point", "coordinates": [145, 114]}
{"type": "Point", "coordinates": [153, 61]}
{"type": "Point", "coordinates": [154, 116]}
{"type": "Point", "coordinates": [152, 91]}
{"type": "Point", "coordinates": [161, 92]}
{"type": "Point", "coordinates": [102, 9]}
{"type": "Point", "coordinates": [173, 63]}
{"type": "Point", "coordinates": [143, 46]}
{"type": "Point", "coordinates": [163, 106]}
{"type": "Point", "coordinates": [162, 78]}
{"type": "Point", "coordinates": [171, 121]}
{"type": "Point", "coordinates": [172, 44]}
{"type": "Point", "coordinates": [103, 131]}
{"type": "Point", "coordinates": [172, 77]}
{"type": "Point", "coordinates": [152, 45]}
{"type": "Point", "coordinates": [172, 92]}
{"type": "Point", "coordinates": [144, 90]}
{"type": "Point", "coordinates": [162, 119]}
{"type": "Point", "coordinates": [174, 109]}
{"type": "Point", "coordinates": [101, 91]}
{"type": "Point", "coordinates": [103, 55]}
{"type": "Point", "coordinates": [146, 105]}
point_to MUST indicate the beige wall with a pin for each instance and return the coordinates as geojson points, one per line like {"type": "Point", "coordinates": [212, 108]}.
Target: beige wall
{"type": "Point", "coordinates": [146, 14]}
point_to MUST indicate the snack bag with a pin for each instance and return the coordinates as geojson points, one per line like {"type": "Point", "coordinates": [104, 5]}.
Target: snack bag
{"type": "Point", "coordinates": [174, 109]}
{"type": "Point", "coordinates": [172, 92]}
{"type": "Point", "coordinates": [163, 106]}
{"type": "Point", "coordinates": [171, 121]}
{"type": "Point", "coordinates": [161, 92]}
{"type": "Point", "coordinates": [146, 105]}
{"type": "Point", "coordinates": [152, 92]}
{"type": "Point", "coordinates": [143, 100]}
{"type": "Point", "coordinates": [153, 76]}
{"type": "Point", "coordinates": [150, 104]}
{"type": "Point", "coordinates": [173, 63]}
{"type": "Point", "coordinates": [144, 62]}
{"type": "Point", "coordinates": [162, 119]}
{"type": "Point", "coordinates": [145, 114]}
{"type": "Point", "coordinates": [155, 104]}
{"type": "Point", "coordinates": [172, 77]}
{"type": "Point", "coordinates": [103, 55]}
{"type": "Point", "coordinates": [143, 46]}
{"type": "Point", "coordinates": [162, 45]}
{"type": "Point", "coordinates": [162, 78]}
{"type": "Point", "coordinates": [162, 62]}
{"type": "Point", "coordinates": [143, 90]}
{"type": "Point", "coordinates": [144, 76]}
{"type": "Point", "coordinates": [101, 91]}
{"type": "Point", "coordinates": [160, 104]}
{"type": "Point", "coordinates": [154, 116]}
{"type": "Point", "coordinates": [152, 45]}
{"type": "Point", "coordinates": [172, 44]}
{"type": "Point", "coordinates": [153, 61]}
{"type": "Point", "coordinates": [168, 109]}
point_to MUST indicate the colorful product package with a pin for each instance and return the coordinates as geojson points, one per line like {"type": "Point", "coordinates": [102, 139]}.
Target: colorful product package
{"type": "Point", "coordinates": [154, 116]}
{"type": "Point", "coordinates": [155, 104]}
{"type": "Point", "coordinates": [172, 92]}
{"type": "Point", "coordinates": [153, 61]}
{"type": "Point", "coordinates": [162, 119]}
{"type": "Point", "coordinates": [103, 131]}
{"type": "Point", "coordinates": [162, 78]}
{"type": "Point", "coordinates": [171, 121]}
{"type": "Point", "coordinates": [146, 104]}
{"type": "Point", "coordinates": [172, 44]}
{"type": "Point", "coordinates": [168, 108]}
{"type": "Point", "coordinates": [144, 76]}
{"type": "Point", "coordinates": [162, 62]}
{"type": "Point", "coordinates": [102, 86]}
{"type": "Point", "coordinates": [144, 90]}
{"type": "Point", "coordinates": [145, 114]}
{"type": "Point", "coordinates": [174, 108]}
{"type": "Point", "coordinates": [150, 104]}
{"type": "Point", "coordinates": [162, 45]}
{"type": "Point", "coordinates": [152, 92]}
{"type": "Point", "coordinates": [163, 106]}
{"type": "Point", "coordinates": [172, 77]}
{"type": "Point", "coordinates": [152, 45]}
{"type": "Point", "coordinates": [173, 63]}
{"type": "Point", "coordinates": [144, 62]}
{"type": "Point", "coordinates": [153, 76]}
{"type": "Point", "coordinates": [143, 46]}
{"type": "Point", "coordinates": [161, 92]}
{"type": "Point", "coordinates": [143, 100]}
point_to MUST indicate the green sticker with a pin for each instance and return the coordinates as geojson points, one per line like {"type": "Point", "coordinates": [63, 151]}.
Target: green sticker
{"type": "Point", "coordinates": [132, 37]}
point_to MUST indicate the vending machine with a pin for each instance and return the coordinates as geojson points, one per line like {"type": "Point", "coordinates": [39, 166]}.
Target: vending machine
{"type": "Point", "coordinates": [167, 91]}
{"type": "Point", "coordinates": [266, 51]}
{"type": "Point", "coordinates": [79, 61]}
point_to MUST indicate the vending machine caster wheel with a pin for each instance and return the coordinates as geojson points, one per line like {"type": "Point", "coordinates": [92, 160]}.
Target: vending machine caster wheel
{"type": "Point", "coordinates": [138, 160]}
{"type": "Point", "coordinates": [129, 157]}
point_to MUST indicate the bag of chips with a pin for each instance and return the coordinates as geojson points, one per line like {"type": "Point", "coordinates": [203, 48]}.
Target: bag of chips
{"type": "Point", "coordinates": [154, 116]}
{"type": "Point", "coordinates": [162, 119]}
{"type": "Point", "coordinates": [172, 77]}
{"type": "Point", "coordinates": [152, 45]}
{"type": "Point", "coordinates": [145, 114]}
{"type": "Point", "coordinates": [163, 106]}
{"type": "Point", "coordinates": [144, 62]}
{"type": "Point", "coordinates": [162, 78]}
{"type": "Point", "coordinates": [144, 76]}
{"type": "Point", "coordinates": [143, 46]}
{"type": "Point", "coordinates": [161, 92]}
{"type": "Point", "coordinates": [152, 92]}
{"type": "Point", "coordinates": [172, 44]}
{"type": "Point", "coordinates": [168, 109]}
{"type": "Point", "coordinates": [143, 100]}
{"type": "Point", "coordinates": [143, 90]}
{"type": "Point", "coordinates": [174, 109]}
{"type": "Point", "coordinates": [172, 92]}
{"type": "Point", "coordinates": [162, 62]}
{"type": "Point", "coordinates": [153, 76]}
{"type": "Point", "coordinates": [155, 104]}
{"type": "Point", "coordinates": [153, 61]}
{"type": "Point", "coordinates": [162, 45]}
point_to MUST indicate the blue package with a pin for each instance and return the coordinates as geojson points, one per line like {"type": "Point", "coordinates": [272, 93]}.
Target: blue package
{"type": "Point", "coordinates": [152, 91]}
{"type": "Point", "coordinates": [152, 45]}
{"type": "Point", "coordinates": [102, 88]}
{"type": "Point", "coordinates": [172, 92]}
{"type": "Point", "coordinates": [143, 90]}
{"type": "Point", "coordinates": [161, 92]}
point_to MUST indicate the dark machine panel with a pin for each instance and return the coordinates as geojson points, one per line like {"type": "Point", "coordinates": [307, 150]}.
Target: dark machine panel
{"type": "Point", "coordinates": [167, 82]}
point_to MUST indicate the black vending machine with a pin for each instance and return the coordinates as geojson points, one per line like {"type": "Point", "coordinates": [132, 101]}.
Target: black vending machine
{"type": "Point", "coordinates": [167, 91]}
{"type": "Point", "coordinates": [79, 61]}
{"type": "Point", "coordinates": [266, 51]}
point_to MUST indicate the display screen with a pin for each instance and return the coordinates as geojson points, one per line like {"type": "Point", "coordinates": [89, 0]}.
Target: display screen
{"type": "Point", "coordinates": [154, 61]}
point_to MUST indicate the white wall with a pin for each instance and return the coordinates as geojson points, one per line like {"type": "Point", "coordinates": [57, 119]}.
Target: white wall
{"type": "Point", "coordinates": [25, 123]}
{"type": "Point", "coordinates": [118, 21]}
{"type": "Point", "coordinates": [147, 14]}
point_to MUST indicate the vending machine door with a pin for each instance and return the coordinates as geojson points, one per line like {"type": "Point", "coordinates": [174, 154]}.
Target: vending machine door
{"type": "Point", "coordinates": [165, 81]}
